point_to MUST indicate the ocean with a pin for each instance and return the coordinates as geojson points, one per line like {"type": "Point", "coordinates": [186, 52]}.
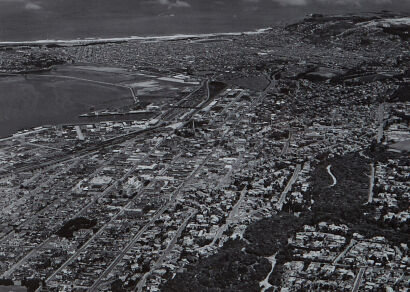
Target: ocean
{"type": "Point", "coordinates": [28, 20]}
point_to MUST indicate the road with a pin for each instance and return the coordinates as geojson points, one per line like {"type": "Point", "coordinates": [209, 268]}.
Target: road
{"type": "Point", "coordinates": [331, 174]}
{"type": "Point", "coordinates": [136, 100]}
{"type": "Point", "coordinates": [159, 212]}
{"type": "Point", "coordinates": [61, 194]}
{"type": "Point", "coordinates": [7, 274]}
{"type": "Point", "coordinates": [98, 233]}
{"type": "Point", "coordinates": [38, 189]}
{"type": "Point", "coordinates": [132, 242]}
{"type": "Point", "coordinates": [285, 148]}
{"type": "Point", "coordinates": [167, 251]}
{"type": "Point", "coordinates": [16, 136]}
{"type": "Point", "coordinates": [343, 253]}
{"type": "Point", "coordinates": [156, 216]}
{"type": "Point", "coordinates": [40, 146]}
{"type": "Point", "coordinates": [89, 150]}
{"type": "Point", "coordinates": [358, 280]}
{"type": "Point", "coordinates": [380, 118]}
{"type": "Point", "coordinates": [79, 213]}
{"type": "Point", "coordinates": [231, 218]}
{"type": "Point", "coordinates": [227, 177]}
{"type": "Point", "coordinates": [371, 183]}
{"type": "Point", "coordinates": [93, 200]}
{"type": "Point", "coordinates": [288, 186]}
{"type": "Point", "coordinates": [265, 285]}
{"type": "Point", "coordinates": [183, 104]}
{"type": "Point", "coordinates": [235, 209]}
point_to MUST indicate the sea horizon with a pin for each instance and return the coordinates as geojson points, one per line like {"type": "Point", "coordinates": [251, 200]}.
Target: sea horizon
{"type": "Point", "coordinates": [85, 19]}
{"type": "Point", "coordinates": [177, 36]}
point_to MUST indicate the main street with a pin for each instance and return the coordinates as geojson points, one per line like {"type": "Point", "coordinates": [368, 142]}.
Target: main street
{"type": "Point", "coordinates": [103, 228]}
{"type": "Point", "coordinates": [97, 196]}
{"type": "Point", "coordinates": [43, 185]}
{"type": "Point", "coordinates": [51, 164]}
{"type": "Point", "coordinates": [358, 280]}
{"type": "Point", "coordinates": [344, 252]}
{"type": "Point", "coordinates": [288, 186]}
{"type": "Point", "coordinates": [232, 217]}
{"type": "Point", "coordinates": [380, 121]}
{"type": "Point", "coordinates": [166, 252]}
{"type": "Point", "coordinates": [159, 212]}
{"type": "Point", "coordinates": [82, 211]}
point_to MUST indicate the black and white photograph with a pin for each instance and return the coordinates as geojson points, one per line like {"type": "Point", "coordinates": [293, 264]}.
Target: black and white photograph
{"type": "Point", "coordinates": [204, 145]}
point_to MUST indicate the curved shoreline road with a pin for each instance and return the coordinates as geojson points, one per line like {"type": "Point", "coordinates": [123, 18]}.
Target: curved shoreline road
{"type": "Point", "coordinates": [331, 174]}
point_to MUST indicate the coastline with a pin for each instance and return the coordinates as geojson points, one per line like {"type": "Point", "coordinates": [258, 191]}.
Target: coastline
{"type": "Point", "coordinates": [90, 41]}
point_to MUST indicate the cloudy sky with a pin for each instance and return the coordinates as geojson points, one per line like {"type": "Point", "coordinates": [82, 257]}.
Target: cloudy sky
{"type": "Point", "coordinates": [39, 19]}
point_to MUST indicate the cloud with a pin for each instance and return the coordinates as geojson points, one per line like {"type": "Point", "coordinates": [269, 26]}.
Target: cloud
{"type": "Point", "coordinates": [32, 6]}
{"type": "Point", "coordinates": [291, 2]}
{"type": "Point", "coordinates": [27, 4]}
{"type": "Point", "coordinates": [12, 1]}
{"type": "Point", "coordinates": [334, 2]}
{"type": "Point", "coordinates": [174, 4]}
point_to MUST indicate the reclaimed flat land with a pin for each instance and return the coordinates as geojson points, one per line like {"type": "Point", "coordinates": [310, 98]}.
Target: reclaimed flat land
{"type": "Point", "coordinates": [101, 74]}
{"type": "Point", "coordinates": [148, 87]}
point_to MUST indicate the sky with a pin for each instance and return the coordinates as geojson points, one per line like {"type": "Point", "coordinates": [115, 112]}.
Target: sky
{"type": "Point", "coordinates": [67, 19]}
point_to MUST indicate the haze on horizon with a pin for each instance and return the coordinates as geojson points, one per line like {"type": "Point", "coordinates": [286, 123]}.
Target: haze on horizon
{"type": "Point", "coordinates": [22, 20]}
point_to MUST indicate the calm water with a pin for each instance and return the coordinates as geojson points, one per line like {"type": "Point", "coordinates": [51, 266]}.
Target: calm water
{"type": "Point", "coordinates": [27, 102]}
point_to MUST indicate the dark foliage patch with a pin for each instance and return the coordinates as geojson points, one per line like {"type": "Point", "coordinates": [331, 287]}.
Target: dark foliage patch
{"type": "Point", "coordinates": [74, 225]}
{"type": "Point", "coordinates": [231, 269]}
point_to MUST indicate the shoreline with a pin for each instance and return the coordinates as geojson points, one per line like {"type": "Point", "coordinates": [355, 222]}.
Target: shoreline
{"type": "Point", "coordinates": [90, 41]}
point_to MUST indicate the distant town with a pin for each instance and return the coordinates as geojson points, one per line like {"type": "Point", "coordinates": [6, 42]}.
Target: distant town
{"type": "Point", "coordinates": [267, 161]}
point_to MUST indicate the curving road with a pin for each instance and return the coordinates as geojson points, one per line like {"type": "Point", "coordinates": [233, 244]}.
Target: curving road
{"type": "Point", "coordinates": [331, 174]}
{"type": "Point", "coordinates": [265, 285]}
